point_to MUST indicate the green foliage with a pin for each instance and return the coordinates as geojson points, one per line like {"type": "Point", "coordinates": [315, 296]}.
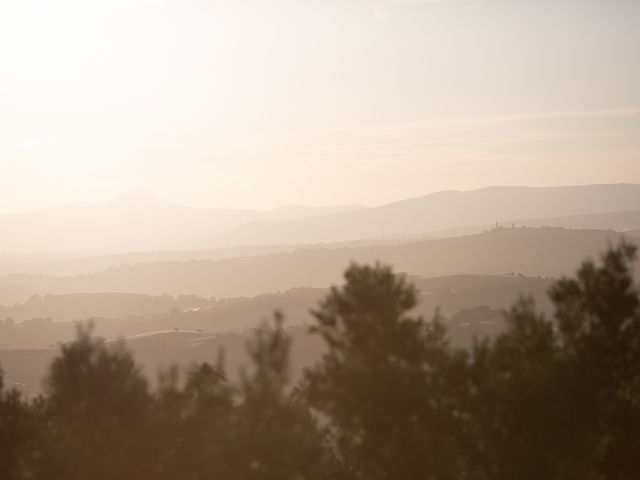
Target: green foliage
{"type": "Point", "coordinates": [598, 318]}
{"type": "Point", "coordinates": [97, 401]}
{"type": "Point", "coordinates": [274, 434]}
{"type": "Point", "coordinates": [523, 422]}
{"type": "Point", "coordinates": [191, 423]}
{"type": "Point", "coordinates": [386, 381]}
{"type": "Point", "coordinates": [18, 433]}
{"type": "Point", "coordinates": [548, 398]}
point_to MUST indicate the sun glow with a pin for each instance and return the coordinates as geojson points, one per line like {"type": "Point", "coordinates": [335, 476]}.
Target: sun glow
{"type": "Point", "coordinates": [238, 103]}
{"type": "Point", "coordinates": [102, 91]}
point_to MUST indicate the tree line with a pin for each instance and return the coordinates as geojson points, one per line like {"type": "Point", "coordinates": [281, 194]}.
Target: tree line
{"type": "Point", "coordinates": [390, 398]}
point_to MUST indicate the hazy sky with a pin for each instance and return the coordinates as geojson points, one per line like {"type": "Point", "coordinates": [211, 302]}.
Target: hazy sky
{"type": "Point", "coordinates": [261, 103]}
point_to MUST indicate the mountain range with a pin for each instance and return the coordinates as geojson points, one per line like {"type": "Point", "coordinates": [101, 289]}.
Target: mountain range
{"type": "Point", "coordinates": [441, 213]}
{"type": "Point", "coordinates": [137, 221]}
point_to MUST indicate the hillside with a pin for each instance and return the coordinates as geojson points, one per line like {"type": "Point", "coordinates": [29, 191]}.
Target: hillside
{"type": "Point", "coordinates": [471, 305]}
{"type": "Point", "coordinates": [529, 251]}
{"type": "Point", "coordinates": [625, 221]}
{"type": "Point", "coordinates": [137, 221]}
{"type": "Point", "coordinates": [620, 221]}
{"type": "Point", "coordinates": [46, 320]}
{"type": "Point", "coordinates": [134, 221]}
{"type": "Point", "coordinates": [61, 265]}
{"type": "Point", "coordinates": [81, 306]}
{"type": "Point", "coordinates": [441, 211]}
{"type": "Point", "coordinates": [159, 350]}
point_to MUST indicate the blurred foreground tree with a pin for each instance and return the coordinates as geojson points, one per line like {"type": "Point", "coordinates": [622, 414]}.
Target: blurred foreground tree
{"type": "Point", "coordinates": [191, 423]}
{"type": "Point", "coordinates": [97, 409]}
{"type": "Point", "coordinates": [560, 398]}
{"type": "Point", "coordinates": [549, 398]}
{"type": "Point", "coordinates": [18, 433]}
{"type": "Point", "coordinates": [598, 318]}
{"type": "Point", "coordinates": [387, 380]}
{"type": "Point", "coordinates": [274, 434]}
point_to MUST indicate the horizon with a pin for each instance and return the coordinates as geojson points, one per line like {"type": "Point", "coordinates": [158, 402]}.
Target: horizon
{"type": "Point", "coordinates": [130, 193]}
{"type": "Point", "coordinates": [441, 197]}
{"type": "Point", "coordinates": [253, 105]}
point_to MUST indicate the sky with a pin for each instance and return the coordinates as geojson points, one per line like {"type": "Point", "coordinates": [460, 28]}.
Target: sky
{"type": "Point", "coordinates": [258, 104]}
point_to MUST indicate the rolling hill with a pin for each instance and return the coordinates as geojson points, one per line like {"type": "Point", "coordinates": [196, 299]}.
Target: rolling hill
{"type": "Point", "coordinates": [134, 221]}
{"type": "Point", "coordinates": [546, 252]}
{"type": "Point", "coordinates": [471, 304]}
{"type": "Point", "coordinates": [625, 221]}
{"type": "Point", "coordinates": [441, 211]}
{"type": "Point", "coordinates": [137, 221]}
